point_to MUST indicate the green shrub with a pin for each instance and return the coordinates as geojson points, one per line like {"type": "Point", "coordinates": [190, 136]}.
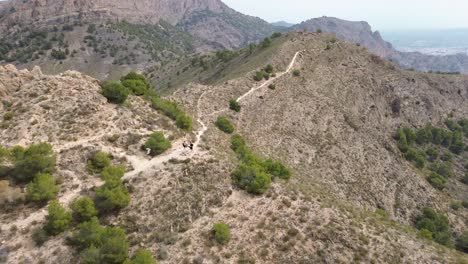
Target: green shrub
{"type": "Point", "coordinates": [100, 244]}
{"type": "Point", "coordinates": [112, 175]}
{"type": "Point", "coordinates": [296, 73]}
{"type": "Point", "coordinates": [98, 162]}
{"type": "Point", "coordinates": [115, 92]}
{"type": "Point", "coordinates": [457, 146]}
{"type": "Point", "coordinates": [456, 205]}
{"type": "Point", "coordinates": [88, 233]}
{"type": "Point", "coordinates": [436, 181]}
{"type": "Point", "coordinates": [432, 154]}
{"type": "Point", "coordinates": [447, 156]}
{"type": "Point", "coordinates": [110, 198]}
{"type": "Point", "coordinates": [172, 110]}
{"type": "Point", "coordinates": [142, 256]}
{"type": "Point", "coordinates": [8, 116]}
{"type": "Point", "coordinates": [234, 105]}
{"type": "Point", "coordinates": [133, 76]}
{"type": "Point", "coordinates": [221, 233]}
{"type": "Point", "coordinates": [184, 122]}
{"type": "Point", "coordinates": [437, 224]}
{"type": "Point", "coordinates": [410, 135]}
{"type": "Point", "coordinates": [462, 242]}
{"type": "Point", "coordinates": [137, 87]}
{"type": "Point", "coordinates": [266, 43]}
{"type": "Point", "coordinates": [38, 158]}
{"type": "Point", "coordinates": [418, 157]}
{"type": "Point", "coordinates": [276, 169]}
{"type": "Point", "coordinates": [252, 178]}
{"type": "Point", "coordinates": [157, 143]}
{"type": "Point", "coordinates": [58, 219]}
{"type": "Point", "coordinates": [452, 125]}
{"type": "Point", "coordinates": [272, 86]}
{"type": "Point", "coordinates": [83, 209]}
{"type": "Point", "coordinates": [42, 188]}
{"type": "Point", "coordinates": [259, 76]}
{"type": "Point", "coordinates": [424, 233]}
{"type": "Point", "coordinates": [269, 69]}
{"type": "Point", "coordinates": [424, 135]}
{"type": "Point", "coordinates": [445, 169]}
{"type": "Point", "coordinates": [224, 125]}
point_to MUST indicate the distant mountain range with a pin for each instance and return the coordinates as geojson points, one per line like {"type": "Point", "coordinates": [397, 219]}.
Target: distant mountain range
{"type": "Point", "coordinates": [104, 38]}
{"type": "Point", "coordinates": [361, 33]}
{"type": "Point", "coordinates": [282, 24]}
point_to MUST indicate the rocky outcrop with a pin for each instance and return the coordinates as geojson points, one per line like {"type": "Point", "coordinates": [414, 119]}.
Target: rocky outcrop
{"type": "Point", "coordinates": [210, 20]}
{"type": "Point", "coordinates": [361, 33]}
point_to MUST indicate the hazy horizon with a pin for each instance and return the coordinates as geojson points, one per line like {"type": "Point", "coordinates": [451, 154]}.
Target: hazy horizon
{"type": "Point", "coordinates": [381, 15]}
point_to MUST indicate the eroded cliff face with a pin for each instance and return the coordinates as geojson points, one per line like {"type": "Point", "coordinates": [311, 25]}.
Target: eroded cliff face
{"type": "Point", "coordinates": [136, 11]}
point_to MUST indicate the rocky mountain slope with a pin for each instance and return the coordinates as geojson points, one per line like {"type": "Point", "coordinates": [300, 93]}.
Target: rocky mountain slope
{"type": "Point", "coordinates": [330, 117]}
{"type": "Point", "coordinates": [361, 33]}
{"type": "Point", "coordinates": [107, 38]}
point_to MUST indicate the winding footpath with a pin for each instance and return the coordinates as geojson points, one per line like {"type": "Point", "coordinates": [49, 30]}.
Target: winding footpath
{"type": "Point", "coordinates": [141, 164]}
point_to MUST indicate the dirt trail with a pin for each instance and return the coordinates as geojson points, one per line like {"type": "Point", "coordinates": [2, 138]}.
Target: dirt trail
{"type": "Point", "coordinates": [141, 164]}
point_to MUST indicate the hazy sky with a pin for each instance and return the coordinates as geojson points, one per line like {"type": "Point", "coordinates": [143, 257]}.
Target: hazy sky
{"type": "Point", "coordinates": [382, 15]}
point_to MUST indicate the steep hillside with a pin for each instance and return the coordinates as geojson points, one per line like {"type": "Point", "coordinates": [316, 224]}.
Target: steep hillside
{"type": "Point", "coordinates": [314, 175]}
{"type": "Point", "coordinates": [361, 33]}
{"type": "Point", "coordinates": [108, 38]}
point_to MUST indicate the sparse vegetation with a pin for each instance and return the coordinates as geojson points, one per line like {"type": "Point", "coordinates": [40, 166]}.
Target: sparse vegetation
{"type": "Point", "coordinates": [234, 105]}
{"type": "Point", "coordinates": [142, 256]}
{"type": "Point", "coordinates": [425, 145]}
{"type": "Point", "coordinates": [435, 225]}
{"type": "Point", "coordinates": [224, 125]}
{"type": "Point", "coordinates": [253, 174]}
{"type": "Point", "coordinates": [272, 86]}
{"type": "Point", "coordinates": [157, 143]}
{"type": "Point", "coordinates": [296, 73]}
{"type": "Point", "coordinates": [221, 233]}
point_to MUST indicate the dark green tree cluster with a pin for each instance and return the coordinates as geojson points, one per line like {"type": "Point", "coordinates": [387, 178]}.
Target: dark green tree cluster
{"type": "Point", "coordinates": [234, 105]}
{"type": "Point", "coordinates": [83, 209]}
{"type": "Point", "coordinates": [42, 189]}
{"type": "Point", "coordinates": [266, 43]}
{"type": "Point", "coordinates": [254, 174]}
{"type": "Point", "coordinates": [115, 92]}
{"type": "Point", "coordinates": [425, 145]}
{"type": "Point", "coordinates": [462, 242]}
{"type": "Point", "coordinates": [221, 233]}
{"type": "Point", "coordinates": [58, 219]}
{"type": "Point", "coordinates": [37, 158]}
{"type": "Point", "coordinates": [435, 226]}
{"type": "Point", "coordinates": [157, 143]}
{"type": "Point", "coordinates": [98, 162]}
{"type": "Point", "coordinates": [113, 195]}
{"type": "Point", "coordinates": [99, 244]}
{"type": "Point", "coordinates": [226, 55]}
{"type": "Point", "coordinates": [225, 125]}
{"type": "Point", "coordinates": [137, 84]}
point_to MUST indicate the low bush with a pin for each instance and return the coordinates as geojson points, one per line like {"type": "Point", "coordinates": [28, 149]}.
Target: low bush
{"type": "Point", "coordinates": [142, 256]}
{"type": "Point", "coordinates": [58, 219]}
{"type": "Point", "coordinates": [136, 86]}
{"type": "Point", "coordinates": [115, 92]}
{"type": "Point", "coordinates": [98, 162]}
{"type": "Point", "coordinates": [157, 143]}
{"type": "Point", "coordinates": [269, 69]}
{"type": "Point", "coordinates": [296, 73]}
{"type": "Point", "coordinates": [42, 189]}
{"type": "Point", "coordinates": [272, 86]}
{"type": "Point", "coordinates": [110, 198]}
{"type": "Point", "coordinates": [436, 181]}
{"type": "Point", "coordinates": [277, 169]}
{"type": "Point", "coordinates": [252, 178]}
{"type": "Point", "coordinates": [184, 122]}
{"type": "Point", "coordinates": [39, 236]}
{"type": "Point", "coordinates": [8, 116]}
{"type": "Point", "coordinates": [437, 224]}
{"type": "Point", "coordinates": [221, 233]}
{"type": "Point", "coordinates": [224, 125]}
{"type": "Point", "coordinates": [83, 209]}
{"type": "Point", "coordinates": [37, 158]}
{"type": "Point", "coordinates": [234, 105]}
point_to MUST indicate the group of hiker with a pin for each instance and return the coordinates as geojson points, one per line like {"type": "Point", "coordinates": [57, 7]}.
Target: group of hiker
{"type": "Point", "coordinates": [188, 144]}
